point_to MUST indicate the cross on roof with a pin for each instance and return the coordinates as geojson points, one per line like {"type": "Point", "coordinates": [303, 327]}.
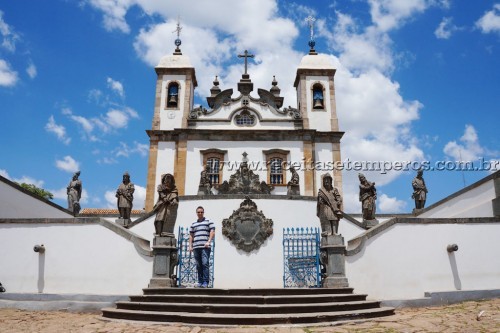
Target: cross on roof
{"type": "Point", "coordinates": [311, 20]}
{"type": "Point", "coordinates": [246, 55]}
{"type": "Point", "coordinates": [179, 28]}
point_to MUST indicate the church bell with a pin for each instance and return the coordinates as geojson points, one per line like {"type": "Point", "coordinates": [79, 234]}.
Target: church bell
{"type": "Point", "coordinates": [318, 104]}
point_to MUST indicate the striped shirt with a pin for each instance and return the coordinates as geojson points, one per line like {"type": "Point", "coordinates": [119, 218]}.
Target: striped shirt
{"type": "Point", "coordinates": [200, 230]}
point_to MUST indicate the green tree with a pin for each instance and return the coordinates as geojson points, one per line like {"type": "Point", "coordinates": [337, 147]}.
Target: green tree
{"type": "Point", "coordinates": [38, 191]}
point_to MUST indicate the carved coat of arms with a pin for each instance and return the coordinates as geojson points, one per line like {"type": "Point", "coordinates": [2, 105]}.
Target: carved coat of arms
{"type": "Point", "coordinates": [247, 228]}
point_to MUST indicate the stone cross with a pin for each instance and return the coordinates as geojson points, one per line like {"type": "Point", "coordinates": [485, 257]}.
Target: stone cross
{"type": "Point", "coordinates": [179, 28]}
{"type": "Point", "coordinates": [311, 20]}
{"type": "Point", "coordinates": [246, 55]}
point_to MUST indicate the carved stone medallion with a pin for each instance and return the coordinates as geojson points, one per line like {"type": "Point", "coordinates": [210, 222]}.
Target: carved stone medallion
{"type": "Point", "coordinates": [247, 228]}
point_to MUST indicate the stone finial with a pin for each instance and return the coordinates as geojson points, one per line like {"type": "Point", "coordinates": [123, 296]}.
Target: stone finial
{"type": "Point", "coordinates": [275, 90]}
{"type": "Point", "coordinates": [215, 89]}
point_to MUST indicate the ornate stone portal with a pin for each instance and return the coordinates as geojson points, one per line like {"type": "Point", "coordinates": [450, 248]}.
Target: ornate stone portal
{"type": "Point", "coordinates": [244, 181]}
{"type": "Point", "coordinates": [247, 228]}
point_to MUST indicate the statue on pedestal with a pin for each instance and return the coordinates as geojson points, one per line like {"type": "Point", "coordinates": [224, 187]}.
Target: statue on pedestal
{"type": "Point", "coordinates": [329, 206]}
{"type": "Point", "coordinates": [419, 190]}
{"type": "Point", "coordinates": [125, 197]}
{"type": "Point", "coordinates": [205, 186]}
{"type": "Point", "coordinates": [367, 196]}
{"type": "Point", "coordinates": [74, 192]}
{"type": "Point", "coordinates": [166, 206]}
{"type": "Point", "coordinates": [293, 187]}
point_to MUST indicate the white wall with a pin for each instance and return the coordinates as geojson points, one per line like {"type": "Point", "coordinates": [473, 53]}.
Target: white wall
{"type": "Point", "coordinates": [407, 260]}
{"type": "Point", "coordinates": [79, 258]}
{"type": "Point", "coordinates": [16, 204]}
{"type": "Point", "coordinates": [254, 149]}
{"type": "Point", "coordinates": [473, 203]}
{"type": "Point", "coordinates": [165, 162]}
{"type": "Point", "coordinates": [259, 269]}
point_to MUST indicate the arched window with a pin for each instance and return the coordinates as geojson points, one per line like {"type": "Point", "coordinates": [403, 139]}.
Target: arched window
{"type": "Point", "coordinates": [214, 159]}
{"type": "Point", "coordinates": [173, 95]}
{"type": "Point", "coordinates": [245, 119]}
{"type": "Point", "coordinates": [318, 96]}
{"type": "Point", "coordinates": [276, 165]}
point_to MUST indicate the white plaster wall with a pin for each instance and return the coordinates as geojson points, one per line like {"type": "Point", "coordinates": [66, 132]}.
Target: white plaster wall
{"type": "Point", "coordinates": [259, 269]}
{"type": "Point", "coordinates": [323, 155]}
{"type": "Point", "coordinates": [409, 259]}
{"type": "Point", "coordinates": [165, 162]}
{"type": "Point", "coordinates": [79, 258]}
{"type": "Point", "coordinates": [175, 120]}
{"type": "Point", "coordinates": [319, 120]}
{"type": "Point", "coordinates": [473, 203]}
{"type": "Point", "coordinates": [235, 150]}
{"type": "Point", "coordinates": [16, 204]}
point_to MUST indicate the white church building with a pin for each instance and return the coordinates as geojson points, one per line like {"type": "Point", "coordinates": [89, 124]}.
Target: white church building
{"type": "Point", "coordinates": [90, 262]}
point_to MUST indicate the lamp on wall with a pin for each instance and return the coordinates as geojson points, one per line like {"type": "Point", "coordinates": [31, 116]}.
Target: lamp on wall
{"type": "Point", "coordinates": [39, 248]}
{"type": "Point", "coordinates": [452, 248]}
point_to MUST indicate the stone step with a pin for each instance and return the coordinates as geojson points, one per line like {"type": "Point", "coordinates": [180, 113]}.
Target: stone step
{"type": "Point", "coordinates": [247, 292]}
{"type": "Point", "coordinates": [254, 299]}
{"type": "Point", "coordinates": [246, 319]}
{"type": "Point", "coordinates": [248, 308]}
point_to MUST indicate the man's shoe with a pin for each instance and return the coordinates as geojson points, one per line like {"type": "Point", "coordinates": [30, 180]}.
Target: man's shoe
{"type": "Point", "coordinates": [204, 285]}
{"type": "Point", "coordinates": [198, 285]}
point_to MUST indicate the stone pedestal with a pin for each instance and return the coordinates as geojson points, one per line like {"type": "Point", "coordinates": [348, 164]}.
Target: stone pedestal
{"type": "Point", "coordinates": [293, 190]}
{"type": "Point", "coordinates": [333, 257]}
{"type": "Point", "coordinates": [370, 223]}
{"type": "Point", "coordinates": [165, 259]}
{"type": "Point", "coordinates": [416, 211]}
{"type": "Point", "coordinates": [123, 222]}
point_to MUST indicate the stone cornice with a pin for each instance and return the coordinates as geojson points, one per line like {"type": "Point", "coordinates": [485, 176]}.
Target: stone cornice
{"type": "Point", "coordinates": [313, 72]}
{"type": "Point", "coordinates": [244, 135]}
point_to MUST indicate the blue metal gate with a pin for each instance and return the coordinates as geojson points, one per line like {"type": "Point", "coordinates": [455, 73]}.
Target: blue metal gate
{"type": "Point", "coordinates": [187, 275]}
{"type": "Point", "coordinates": [301, 258]}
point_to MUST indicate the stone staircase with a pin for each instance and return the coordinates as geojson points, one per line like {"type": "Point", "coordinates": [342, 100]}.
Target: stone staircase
{"type": "Point", "coordinates": [247, 306]}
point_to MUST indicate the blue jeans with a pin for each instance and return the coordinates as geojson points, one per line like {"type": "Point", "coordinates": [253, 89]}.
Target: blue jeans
{"type": "Point", "coordinates": [202, 257]}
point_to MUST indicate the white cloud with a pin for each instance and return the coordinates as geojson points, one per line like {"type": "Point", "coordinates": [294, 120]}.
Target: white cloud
{"type": "Point", "coordinates": [9, 36]}
{"type": "Point", "coordinates": [31, 70]}
{"type": "Point", "coordinates": [95, 95]}
{"type": "Point", "coordinates": [137, 148]}
{"type": "Point", "coordinates": [68, 164]}
{"type": "Point", "coordinates": [390, 204]}
{"type": "Point", "coordinates": [114, 13]}
{"type": "Point", "coordinates": [8, 76]}
{"type": "Point", "coordinates": [468, 150]}
{"type": "Point", "coordinates": [110, 197]}
{"type": "Point", "coordinates": [58, 130]}
{"type": "Point", "coordinates": [445, 28]}
{"type": "Point", "coordinates": [116, 86]}
{"type": "Point", "coordinates": [391, 14]}
{"type": "Point", "coordinates": [490, 21]}
{"type": "Point", "coordinates": [23, 179]}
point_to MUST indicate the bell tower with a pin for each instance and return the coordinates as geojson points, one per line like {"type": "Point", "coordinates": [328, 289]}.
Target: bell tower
{"type": "Point", "coordinates": [316, 103]}
{"type": "Point", "coordinates": [174, 98]}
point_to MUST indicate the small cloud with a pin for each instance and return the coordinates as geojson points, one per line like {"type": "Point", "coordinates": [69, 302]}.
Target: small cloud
{"type": "Point", "coordinates": [107, 160]}
{"type": "Point", "coordinates": [116, 86]}
{"type": "Point", "coordinates": [95, 95]}
{"type": "Point", "coordinates": [8, 76]}
{"type": "Point", "coordinates": [125, 151]}
{"type": "Point", "coordinates": [23, 179]}
{"type": "Point", "coordinates": [468, 150]}
{"type": "Point", "coordinates": [445, 28]}
{"type": "Point", "coordinates": [4, 173]}
{"type": "Point", "coordinates": [68, 164]}
{"type": "Point", "coordinates": [490, 21]}
{"type": "Point", "coordinates": [120, 118]}
{"type": "Point", "coordinates": [391, 205]}
{"type": "Point", "coordinates": [58, 130]}
{"type": "Point", "coordinates": [9, 36]}
{"type": "Point", "coordinates": [31, 70]}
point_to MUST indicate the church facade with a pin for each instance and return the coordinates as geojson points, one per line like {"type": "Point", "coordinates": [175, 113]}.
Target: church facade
{"type": "Point", "coordinates": [248, 126]}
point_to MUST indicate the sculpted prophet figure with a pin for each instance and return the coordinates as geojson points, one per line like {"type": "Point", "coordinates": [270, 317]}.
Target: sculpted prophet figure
{"type": "Point", "coordinates": [167, 205]}
{"type": "Point", "coordinates": [125, 197]}
{"type": "Point", "coordinates": [293, 184]}
{"type": "Point", "coordinates": [74, 191]}
{"type": "Point", "coordinates": [419, 190]}
{"type": "Point", "coordinates": [205, 186]}
{"type": "Point", "coordinates": [367, 196]}
{"type": "Point", "coordinates": [329, 207]}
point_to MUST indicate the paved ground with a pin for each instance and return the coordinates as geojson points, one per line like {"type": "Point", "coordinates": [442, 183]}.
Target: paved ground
{"type": "Point", "coordinates": [483, 316]}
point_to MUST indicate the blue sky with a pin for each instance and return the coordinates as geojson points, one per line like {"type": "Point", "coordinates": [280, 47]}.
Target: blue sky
{"type": "Point", "coordinates": [416, 80]}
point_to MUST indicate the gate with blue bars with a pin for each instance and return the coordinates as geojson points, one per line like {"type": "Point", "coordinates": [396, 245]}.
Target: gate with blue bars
{"type": "Point", "coordinates": [301, 258]}
{"type": "Point", "coordinates": [187, 275]}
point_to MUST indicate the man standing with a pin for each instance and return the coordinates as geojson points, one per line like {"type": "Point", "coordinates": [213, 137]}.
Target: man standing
{"type": "Point", "coordinates": [201, 233]}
